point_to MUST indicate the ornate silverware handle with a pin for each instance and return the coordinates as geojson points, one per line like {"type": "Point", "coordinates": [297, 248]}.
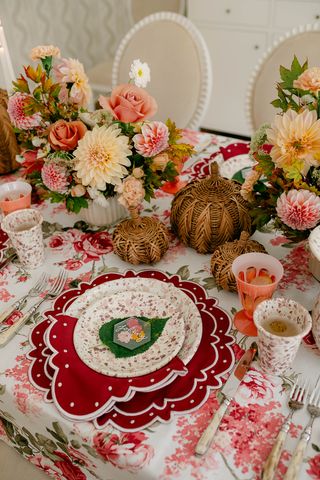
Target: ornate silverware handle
{"type": "Point", "coordinates": [295, 464]}
{"type": "Point", "coordinates": [209, 433]}
{"type": "Point", "coordinates": [13, 329]}
{"type": "Point", "coordinates": [272, 461]}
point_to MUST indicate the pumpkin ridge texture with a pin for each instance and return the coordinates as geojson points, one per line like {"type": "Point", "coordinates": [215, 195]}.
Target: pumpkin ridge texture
{"type": "Point", "coordinates": [207, 213]}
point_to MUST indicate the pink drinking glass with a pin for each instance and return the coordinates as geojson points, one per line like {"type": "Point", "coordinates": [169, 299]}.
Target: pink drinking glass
{"type": "Point", "coordinates": [257, 276]}
{"type": "Point", "coordinates": [15, 196]}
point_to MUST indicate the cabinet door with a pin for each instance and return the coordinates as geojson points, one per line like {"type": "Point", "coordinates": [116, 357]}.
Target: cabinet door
{"type": "Point", "coordinates": [289, 14]}
{"type": "Point", "coordinates": [234, 54]}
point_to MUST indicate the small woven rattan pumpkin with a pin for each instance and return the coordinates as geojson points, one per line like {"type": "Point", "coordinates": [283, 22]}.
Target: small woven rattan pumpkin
{"type": "Point", "coordinates": [223, 256]}
{"type": "Point", "coordinates": [140, 239]}
{"type": "Point", "coordinates": [207, 213]}
{"type": "Point", "coordinates": [8, 143]}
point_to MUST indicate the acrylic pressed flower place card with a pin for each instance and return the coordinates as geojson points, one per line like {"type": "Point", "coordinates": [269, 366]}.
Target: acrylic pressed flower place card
{"type": "Point", "coordinates": [95, 330]}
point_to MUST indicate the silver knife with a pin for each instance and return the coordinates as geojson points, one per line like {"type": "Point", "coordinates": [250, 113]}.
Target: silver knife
{"type": "Point", "coordinates": [228, 390]}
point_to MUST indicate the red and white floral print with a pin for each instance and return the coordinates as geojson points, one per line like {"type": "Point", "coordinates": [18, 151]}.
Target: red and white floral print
{"type": "Point", "coordinates": [127, 451]}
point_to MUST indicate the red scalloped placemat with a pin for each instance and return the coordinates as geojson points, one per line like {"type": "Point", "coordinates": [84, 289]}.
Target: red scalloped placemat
{"type": "Point", "coordinates": [205, 371]}
{"type": "Point", "coordinates": [3, 239]}
{"type": "Point", "coordinates": [201, 169]}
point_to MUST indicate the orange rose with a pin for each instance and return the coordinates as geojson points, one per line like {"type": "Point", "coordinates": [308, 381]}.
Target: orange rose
{"type": "Point", "coordinates": [129, 103]}
{"type": "Point", "coordinates": [65, 135]}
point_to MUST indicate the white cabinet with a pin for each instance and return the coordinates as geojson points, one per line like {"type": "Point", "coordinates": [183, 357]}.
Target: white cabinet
{"type": "Point", "coordinates": [237, 33]}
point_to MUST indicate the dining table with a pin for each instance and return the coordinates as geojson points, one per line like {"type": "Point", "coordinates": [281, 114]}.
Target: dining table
{"type": "Point", "coordinates": [77, 450]}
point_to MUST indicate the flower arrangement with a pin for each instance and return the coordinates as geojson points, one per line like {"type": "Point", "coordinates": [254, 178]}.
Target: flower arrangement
{"type": "Point", "coordinates": [284, 185]}
{"type": "Point", "coordinates": [74, 155]}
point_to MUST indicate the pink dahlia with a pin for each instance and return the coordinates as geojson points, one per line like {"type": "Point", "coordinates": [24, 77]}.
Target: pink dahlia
{"type": "Point", "coordinates": [299, 209]}
{"type": "Point", "coordinates": [55, 177]}
{"type": "Point", "coordinates": [16, 110]}
{"type": "Point", "coordinates": [152, 140]}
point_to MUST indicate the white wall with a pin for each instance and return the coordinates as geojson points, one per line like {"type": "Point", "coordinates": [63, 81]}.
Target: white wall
{"type": "Point", "coordinates": [85, 29]}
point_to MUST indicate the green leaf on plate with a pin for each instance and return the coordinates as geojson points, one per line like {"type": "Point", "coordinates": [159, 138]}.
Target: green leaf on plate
{"type": "Point", "coordinates": [106, 336]}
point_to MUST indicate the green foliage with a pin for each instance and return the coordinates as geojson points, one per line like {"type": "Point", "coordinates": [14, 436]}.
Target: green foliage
{"type": "Point", "coordinates": [265, 164]}
{"type": "Point", "coordinates": [74, 204]}
{"type": "Point", "coordinates": [47, 64]}
{"type": "Point", "coordinates": [288, 95]}
{"type": "Point", "coordinates": [56, 197]}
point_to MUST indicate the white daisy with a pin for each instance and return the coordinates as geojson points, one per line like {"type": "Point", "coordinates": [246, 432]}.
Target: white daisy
{"type": "Point", "coordinates": [140, 73]}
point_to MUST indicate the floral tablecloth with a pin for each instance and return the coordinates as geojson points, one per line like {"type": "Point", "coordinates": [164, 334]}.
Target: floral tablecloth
{"type": "Point", "coordinates": [76, 451]}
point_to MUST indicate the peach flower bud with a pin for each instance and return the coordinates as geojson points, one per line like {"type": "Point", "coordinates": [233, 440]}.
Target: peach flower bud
{"type": "Point", "coordinates": [138, 172]}
{"type": "Point", "coordinates": [160, 161]}
{"type": "Point", "coordinates": [78, 191]}
{"type": "Point", "coordinates": [65, 135]}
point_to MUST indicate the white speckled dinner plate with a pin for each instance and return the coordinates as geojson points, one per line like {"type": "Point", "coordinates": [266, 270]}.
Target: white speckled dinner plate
{"type": "Point", "coordinates": [190, 312]}
{"type": "Point", "coordinates": [228, 168]}
{"type": "Point", "coordinates": [121, 305]}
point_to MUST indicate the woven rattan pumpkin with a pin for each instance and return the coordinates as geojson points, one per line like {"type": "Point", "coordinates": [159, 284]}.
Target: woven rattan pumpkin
{"type": "Point", "coordinates": [140, 239]}
{"type": "Point", "coordinates": [8, 143]}
{"type": "Point", "coordinates": [207, 213]}
{"type": "Point", "coordinates": [224, 255]}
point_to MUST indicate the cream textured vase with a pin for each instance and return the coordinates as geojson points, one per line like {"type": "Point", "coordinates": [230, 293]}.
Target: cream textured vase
{"type": "Point", "coordinates": [99, 216]}
{"type": "Point", "coordinates": [316, 322]}
{"type": "Point", "coordinates": [314, 247]}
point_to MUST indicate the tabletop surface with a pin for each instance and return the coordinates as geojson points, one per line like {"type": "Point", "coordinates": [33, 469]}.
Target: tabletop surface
{"type": "Point", "coordinates": [77, 451]}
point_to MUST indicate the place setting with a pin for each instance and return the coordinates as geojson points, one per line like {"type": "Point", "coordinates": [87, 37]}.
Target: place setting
{"type": "Point", "coordinates": [88, 341]}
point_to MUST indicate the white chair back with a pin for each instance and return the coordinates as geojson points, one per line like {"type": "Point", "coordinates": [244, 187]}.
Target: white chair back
{"type": "Point", "coordinates": [304, 42]}
{"type": "Point", "coordinates": [180, 66]}
{"type": "Point", "coordinates": [143, 8]}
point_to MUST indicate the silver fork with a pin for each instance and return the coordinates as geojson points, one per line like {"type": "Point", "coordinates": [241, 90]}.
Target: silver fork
{"type": "Point", "coordinates": [296, 401]}
{"type": "Point", "coordinates": [33, 292]}
{"type": "Point", "coordinates": [54, 291]}
{"type": "Point", "coordinates": [297, 457]}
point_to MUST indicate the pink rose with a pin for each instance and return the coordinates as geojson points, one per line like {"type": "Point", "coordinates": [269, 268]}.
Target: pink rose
{"type": "Point", "coordinates": [65, 135]}
{"type": "Point", "coordinates": [93, 245]}
{"type": "Point", "coordinates": [73, 264]}
{"type": "Point", "coordinates": [69, 470]}
{"type": "Point", "coordinates": [124, 450]}
{"type": "Point", "coordinates": [129, 103]}
{"type": "Point", "coordinates": [257, 385]}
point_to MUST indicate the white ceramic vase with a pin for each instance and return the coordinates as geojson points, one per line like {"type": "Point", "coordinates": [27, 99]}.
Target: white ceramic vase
{"type": "Point", "coordinates": [316, 322]}
{"type": "Point", "coordinates": [314, 247]}
{"type": "Point", "coordinates": [99, 216]}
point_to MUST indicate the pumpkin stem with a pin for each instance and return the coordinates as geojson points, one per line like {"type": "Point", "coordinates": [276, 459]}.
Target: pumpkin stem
{"type": "Point", "coordinates": [214, 170]}
{"type": "Point", "coordinates": [135, 215]}
{"type": "Point", "coordinates": [244, 237]}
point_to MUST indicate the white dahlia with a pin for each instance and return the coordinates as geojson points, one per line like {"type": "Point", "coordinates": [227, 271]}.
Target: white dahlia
{"type": "Point", "coordinates": [101, 157]}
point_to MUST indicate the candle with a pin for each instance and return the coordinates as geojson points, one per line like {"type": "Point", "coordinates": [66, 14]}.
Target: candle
{"type": "Point", "coordinates": [3, 62]}
{"type": "Point", "coordinates": [6, 61]}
